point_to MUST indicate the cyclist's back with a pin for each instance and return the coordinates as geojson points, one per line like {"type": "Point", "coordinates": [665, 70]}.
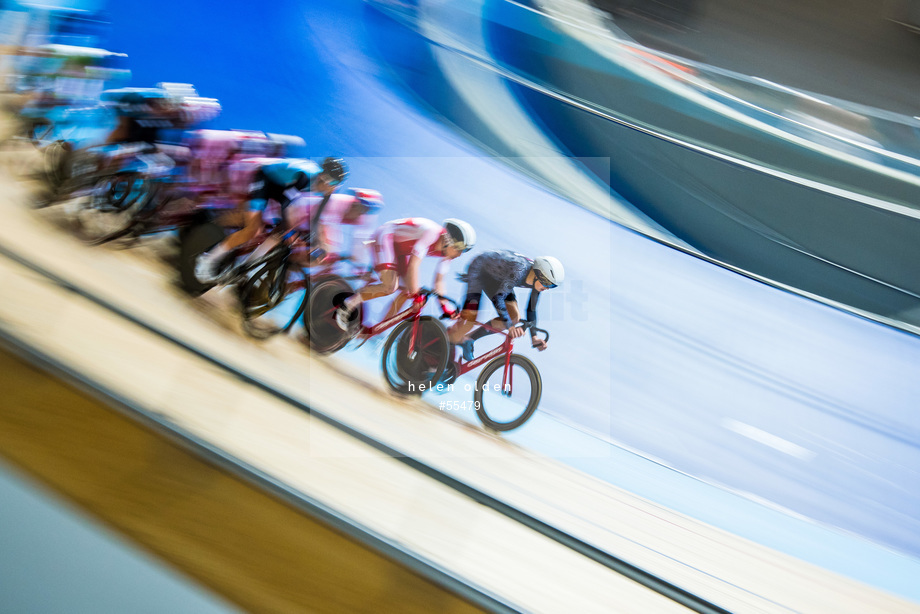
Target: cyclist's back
{"type": "Point", "coordinates": [499, 271]}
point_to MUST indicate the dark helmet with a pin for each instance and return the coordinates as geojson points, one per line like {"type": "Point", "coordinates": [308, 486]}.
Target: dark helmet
{"type": "Point", "coordinates": [336, 169]}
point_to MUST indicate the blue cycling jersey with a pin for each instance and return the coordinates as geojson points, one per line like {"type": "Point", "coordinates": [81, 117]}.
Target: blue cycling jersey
{"type": "Point", "coordinates": [287, 172]}
{"type": "Point", "coordinates": [281, 181]}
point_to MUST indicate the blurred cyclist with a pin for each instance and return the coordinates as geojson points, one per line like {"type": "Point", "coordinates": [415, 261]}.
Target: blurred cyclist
{"type": "Point", "coordinates": [497, 273]}
{"type": "Point", "coordinates": [344, 226]}
{"type": "Point", "coordinates": [143, 117]}
{"type": "Point", "coordinates": [281, 181]}
{"type": "Point", "coordinates": [399, 247]}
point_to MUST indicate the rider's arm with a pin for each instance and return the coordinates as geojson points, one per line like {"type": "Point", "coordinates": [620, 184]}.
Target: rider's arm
{"type": "Point", "coordinates": [415, 262]}
{"type": "Point", "coordinates": [362, 250]}
{"type": "Point", "coordinates": [439, 274]}
{"type": "Point", "coordinates": [420, 250]}
{"type": "Point", "coordinates": [536, 342]}
{"type": "Point", "coordinates": [532, 310]}
{"type": "Point", "coordinates": [499, 301]}
{"type": "Point", "coordinates": [319, 244]}
{"type": "Point", "coordinates": [322, 237]}
{"type": "Point", "coordinates": [439, 282]}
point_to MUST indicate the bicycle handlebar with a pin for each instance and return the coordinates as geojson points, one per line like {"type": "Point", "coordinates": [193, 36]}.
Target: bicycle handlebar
{"type": "Point", "coordinates": [527, 324]}
{"type": "Point", "coordinates": [426, 293]}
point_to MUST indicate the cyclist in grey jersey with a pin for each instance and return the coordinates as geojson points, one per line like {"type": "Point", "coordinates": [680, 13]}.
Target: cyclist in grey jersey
{"type": "Point", "coordinates": [498, 273]}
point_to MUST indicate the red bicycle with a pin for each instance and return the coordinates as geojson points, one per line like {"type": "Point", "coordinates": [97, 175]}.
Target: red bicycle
{"type": "Point", "coordinates": [414, 355]}
{"type": "Point", "coordinates": [509, 388]}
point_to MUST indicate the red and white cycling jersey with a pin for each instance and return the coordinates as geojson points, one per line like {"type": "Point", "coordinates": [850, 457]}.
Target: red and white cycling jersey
{"type": "Point", "coordinates": [399, 240]}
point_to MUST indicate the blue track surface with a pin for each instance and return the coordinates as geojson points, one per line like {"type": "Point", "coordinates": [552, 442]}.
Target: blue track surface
{"type": "Point", "coordinates": [712, 374]}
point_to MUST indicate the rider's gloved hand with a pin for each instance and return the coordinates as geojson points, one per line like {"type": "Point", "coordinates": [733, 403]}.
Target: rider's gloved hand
{"type": "Point", "coordinates": [448, 310]}
{"type": "Point", "coordinates": [515, 331]}
{"type": "Point", "coordinates": [539, 344]}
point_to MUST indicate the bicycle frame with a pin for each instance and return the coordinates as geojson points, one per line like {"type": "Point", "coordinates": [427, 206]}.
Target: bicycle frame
{"type": "Point", "coordinates": [299, 244]}
{"type": "Point", "coordinates": [414, 311]}
{"type": "Point", "coordinates": [505, 348]}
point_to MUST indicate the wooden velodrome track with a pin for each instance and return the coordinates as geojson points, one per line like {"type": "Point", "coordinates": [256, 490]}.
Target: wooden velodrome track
{"type": "Point", "coordinates": [368, 503]}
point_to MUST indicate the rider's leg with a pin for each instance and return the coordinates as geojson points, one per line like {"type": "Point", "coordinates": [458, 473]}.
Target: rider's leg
{"type": "Point", "coordinates": [207, 262]}
{"type": "Point", "coordinates": [463, 326]}
{"type": "Point", "coordinates": [468, 315]}
{"type": "Point", "coordinates": [253, 223]}
{"type": "Point", "coordinates": [497, 323]}
{"type": "Point", "coordinates": [388, 284]}
{"type": "Point", "coordinates": [276, 236]}
{"type": "Point", "coordinates": [387, 271]}
{"type": "Point", "coordinates": [398, 301]}
{"type": "Point", "coordinates": [466, 344]}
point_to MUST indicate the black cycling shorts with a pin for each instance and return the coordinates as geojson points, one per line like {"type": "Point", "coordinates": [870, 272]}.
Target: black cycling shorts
{"type": "Point", "coordinates": [490, 287]}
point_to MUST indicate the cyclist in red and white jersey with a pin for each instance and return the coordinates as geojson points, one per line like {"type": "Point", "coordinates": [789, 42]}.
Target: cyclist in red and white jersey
{"type": "Point", "coordinates": [398, 249]}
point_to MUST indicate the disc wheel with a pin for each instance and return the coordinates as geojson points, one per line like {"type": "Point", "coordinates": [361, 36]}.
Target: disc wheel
{"type": "Point", "coordinates": [194, 242]}
{"type": "Point", "coordinates": [503, 404]}
{"type": "Point", "coordinates": [321, 329]}
{"type": "Point", "coordinates": [412, 368]}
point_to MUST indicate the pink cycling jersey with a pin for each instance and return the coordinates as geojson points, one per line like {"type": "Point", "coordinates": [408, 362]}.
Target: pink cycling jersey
{"type": "Point", "coordinates": [302, 209]}
{"type": "Point", "coordinates": [213, 151]}
{"type": "Point", "coordinates": [242, 173]}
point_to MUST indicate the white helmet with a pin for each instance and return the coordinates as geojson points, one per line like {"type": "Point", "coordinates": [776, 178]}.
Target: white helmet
{"type": "Point", "coordinates": [460, 234]}
{"type": "Point", "coordinates": [548, 271]}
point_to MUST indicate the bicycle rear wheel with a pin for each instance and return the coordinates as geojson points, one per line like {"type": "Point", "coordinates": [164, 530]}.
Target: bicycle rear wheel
{"type": "Point", "coordinates": [323, 334]}
{"type": "Point", "coordinates": [196, 241]}
{"type": "Point", "coordinates": [114, 206]}
{"type": "Point", "coordinates": [412, 369]}
{"type": "Point", "coordinates": [503, 405]}
{"type": "Point", "coordinates": [56, 161]}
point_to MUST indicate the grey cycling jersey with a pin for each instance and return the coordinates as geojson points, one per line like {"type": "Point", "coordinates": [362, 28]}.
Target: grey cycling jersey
{"type": "Point", "coordinates": [498, 273]}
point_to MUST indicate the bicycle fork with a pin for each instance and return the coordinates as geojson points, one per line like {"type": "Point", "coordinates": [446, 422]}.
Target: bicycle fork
{"type": "Point", "coordinates": [508, 375]}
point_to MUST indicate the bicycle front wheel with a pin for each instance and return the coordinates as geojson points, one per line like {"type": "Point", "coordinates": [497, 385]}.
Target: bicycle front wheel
{"type": "Point", "coordinates": [261, 290]}
{"type": "Point", "coordinates": [412, 368]}
{"type": "Point", "coordinates": [506, 399]}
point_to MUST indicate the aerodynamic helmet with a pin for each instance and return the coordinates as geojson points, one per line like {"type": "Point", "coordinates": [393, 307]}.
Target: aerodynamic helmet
{"type": "Point", "coordinates": [336, 169]}
{"type": "Point", "coordinates": [372, 199]}
{"type": "Point", "coordinates": [548, 271]}
{"type": "Point", "coordinates": [460, 233]}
